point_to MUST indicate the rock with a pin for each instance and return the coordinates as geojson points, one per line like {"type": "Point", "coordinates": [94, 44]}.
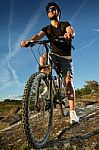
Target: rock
{"type": "Point", "coordinates": [12, 119]}
{"type": "Point", "coordinates": [82, 136]}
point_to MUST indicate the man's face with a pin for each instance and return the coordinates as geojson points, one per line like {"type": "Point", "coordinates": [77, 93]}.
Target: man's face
{"type": "Point", "coordinates": [52, 13]}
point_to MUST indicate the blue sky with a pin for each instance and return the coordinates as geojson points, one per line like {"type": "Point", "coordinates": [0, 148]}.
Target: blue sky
{"type": "Point", "coordinates": [21, 19]}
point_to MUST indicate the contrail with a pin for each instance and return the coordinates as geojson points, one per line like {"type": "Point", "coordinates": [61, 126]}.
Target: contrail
{"type": "Point", "coordinates": [10, 25]}
{"type": "Point", "coordinates": [31, 24]}
{"type": "Point", "coordinates": [96, 30]}
{"type": "Point", "coordinates": [9, 70]}
{"type": "Point", "coordinates": [13, 73]}
{"type": "Point", "coordinates": [78, 11]}
{"type": "Point", "coordinates": [4, 75]}
{"type": "Point", "coordinates": [8, 75]}
{"type": "Point", "coordinates": [88, 45]}
{"type": "Point", "coordinates": [9, 39]}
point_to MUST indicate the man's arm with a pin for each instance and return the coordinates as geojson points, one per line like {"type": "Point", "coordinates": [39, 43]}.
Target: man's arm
{"type": "Point", "coordinates": [36, 37]}
{"type": "Point", "coordinates": [69, 33]}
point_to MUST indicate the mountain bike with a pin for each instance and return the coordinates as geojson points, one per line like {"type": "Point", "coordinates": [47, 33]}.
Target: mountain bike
{"type": "Point", "coordinates": [42, 93]}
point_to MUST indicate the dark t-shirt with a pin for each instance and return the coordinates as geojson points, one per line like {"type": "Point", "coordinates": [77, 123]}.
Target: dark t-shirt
{"type": "Point", "coordinates": [61, 48]}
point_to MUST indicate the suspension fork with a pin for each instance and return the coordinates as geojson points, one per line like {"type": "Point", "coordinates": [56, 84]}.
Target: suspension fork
{"type": "Point", "coordinates": [47, 54]}
{"type": "Point", "coordinates": [50, 79]}
{"type": "Point", "coordinates": [59, 85]}
{"type": "Point", "coordinates": [49, 63]}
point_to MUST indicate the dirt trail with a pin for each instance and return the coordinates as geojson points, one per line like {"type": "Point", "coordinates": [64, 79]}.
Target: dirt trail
{"type": "Point", "coordinates": [82, 136]}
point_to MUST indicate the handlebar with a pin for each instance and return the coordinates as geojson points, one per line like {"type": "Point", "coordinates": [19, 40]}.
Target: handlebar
{"type": "Point", "coordinates": [60, 38]}
{"type": "Point", "coordinates": [38, 42]}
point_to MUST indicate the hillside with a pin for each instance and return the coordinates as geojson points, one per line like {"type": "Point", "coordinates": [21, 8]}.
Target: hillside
{"type": "Point", "coordinates": [82, 136]}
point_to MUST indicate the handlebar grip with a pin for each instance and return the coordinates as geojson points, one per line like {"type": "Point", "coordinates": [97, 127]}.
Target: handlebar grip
{"type": "Point", "coordinates": [29, 44]}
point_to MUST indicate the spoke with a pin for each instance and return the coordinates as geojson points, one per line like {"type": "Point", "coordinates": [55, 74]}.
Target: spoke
{"type": "Point", "coordinates": [39, 117]}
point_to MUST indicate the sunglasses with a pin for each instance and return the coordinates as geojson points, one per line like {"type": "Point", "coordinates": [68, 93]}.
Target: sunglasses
{"type": "Point", "coordinates": [51, 9]}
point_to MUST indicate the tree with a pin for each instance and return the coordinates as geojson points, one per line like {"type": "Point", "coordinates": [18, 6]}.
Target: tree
{"type": "Point", "coordinates": [91, 87]}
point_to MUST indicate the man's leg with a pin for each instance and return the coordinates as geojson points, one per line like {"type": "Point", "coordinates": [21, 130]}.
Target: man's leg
{"type": "Point", "coordinates": [70, 92]}
{"type": "Point", "coordinates": [42, 60]}
{"type": "Point", "coordinates": [71, 98]}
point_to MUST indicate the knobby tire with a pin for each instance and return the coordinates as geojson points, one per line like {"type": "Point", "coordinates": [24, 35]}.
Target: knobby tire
{"type": "Point", "coordinates": [33, 108]}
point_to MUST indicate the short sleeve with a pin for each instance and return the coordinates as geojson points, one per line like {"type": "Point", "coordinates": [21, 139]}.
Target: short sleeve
{"type": "Point", "coordinates": [67, 24]}
{"type": "Point", "coordinates": [48, 31]}
{"type": "Point", "coordinates": [44, 29]}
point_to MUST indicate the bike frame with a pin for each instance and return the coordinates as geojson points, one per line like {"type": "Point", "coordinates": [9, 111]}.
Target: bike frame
{"type": "Point", "coordinates": [51, 66]}
{"type": "Point", "coordinates": [53, 92]}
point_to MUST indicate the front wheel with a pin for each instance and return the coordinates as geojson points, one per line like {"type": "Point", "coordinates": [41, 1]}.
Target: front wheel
{"type": "Point", "coordinates": [37, 118]}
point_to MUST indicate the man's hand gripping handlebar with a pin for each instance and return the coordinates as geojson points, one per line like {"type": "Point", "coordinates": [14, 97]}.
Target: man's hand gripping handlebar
{"type": "Point", "coordinates": [26, 44]}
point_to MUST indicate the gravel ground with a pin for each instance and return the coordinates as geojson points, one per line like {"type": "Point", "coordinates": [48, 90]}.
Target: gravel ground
{"type": "Point", "coordinates": [82, 136]}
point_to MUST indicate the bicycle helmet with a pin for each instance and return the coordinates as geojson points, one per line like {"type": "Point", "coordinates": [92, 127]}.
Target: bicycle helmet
{"type": "Point", "coordinates": [53, 4]}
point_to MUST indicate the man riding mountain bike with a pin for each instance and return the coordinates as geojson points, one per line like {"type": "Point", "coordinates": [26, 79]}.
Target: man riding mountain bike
{"type": "Point", "coordinates": [61, 50]}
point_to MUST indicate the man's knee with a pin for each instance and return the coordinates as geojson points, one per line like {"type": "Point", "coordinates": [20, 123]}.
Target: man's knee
{"type": "Point", "coordinates": [70, 90]}
{"type": "Point", "coordinates": [42, 59]}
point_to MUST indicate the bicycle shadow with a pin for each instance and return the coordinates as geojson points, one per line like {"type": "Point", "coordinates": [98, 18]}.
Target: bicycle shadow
{"type": "Point", "coordinates": [82, 119]}
{"type": "Point", "coordinates": [77, 139]}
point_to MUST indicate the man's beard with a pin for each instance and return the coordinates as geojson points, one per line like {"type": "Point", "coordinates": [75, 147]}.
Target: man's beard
{"type": "Point", "coordinates": [53, 18]}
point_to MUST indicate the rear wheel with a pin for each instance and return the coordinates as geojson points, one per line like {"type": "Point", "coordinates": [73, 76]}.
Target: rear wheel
{"type": "Point", "coordinates": [37, 118]}
{"type": "Point", "coordinates": [65, 107]}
